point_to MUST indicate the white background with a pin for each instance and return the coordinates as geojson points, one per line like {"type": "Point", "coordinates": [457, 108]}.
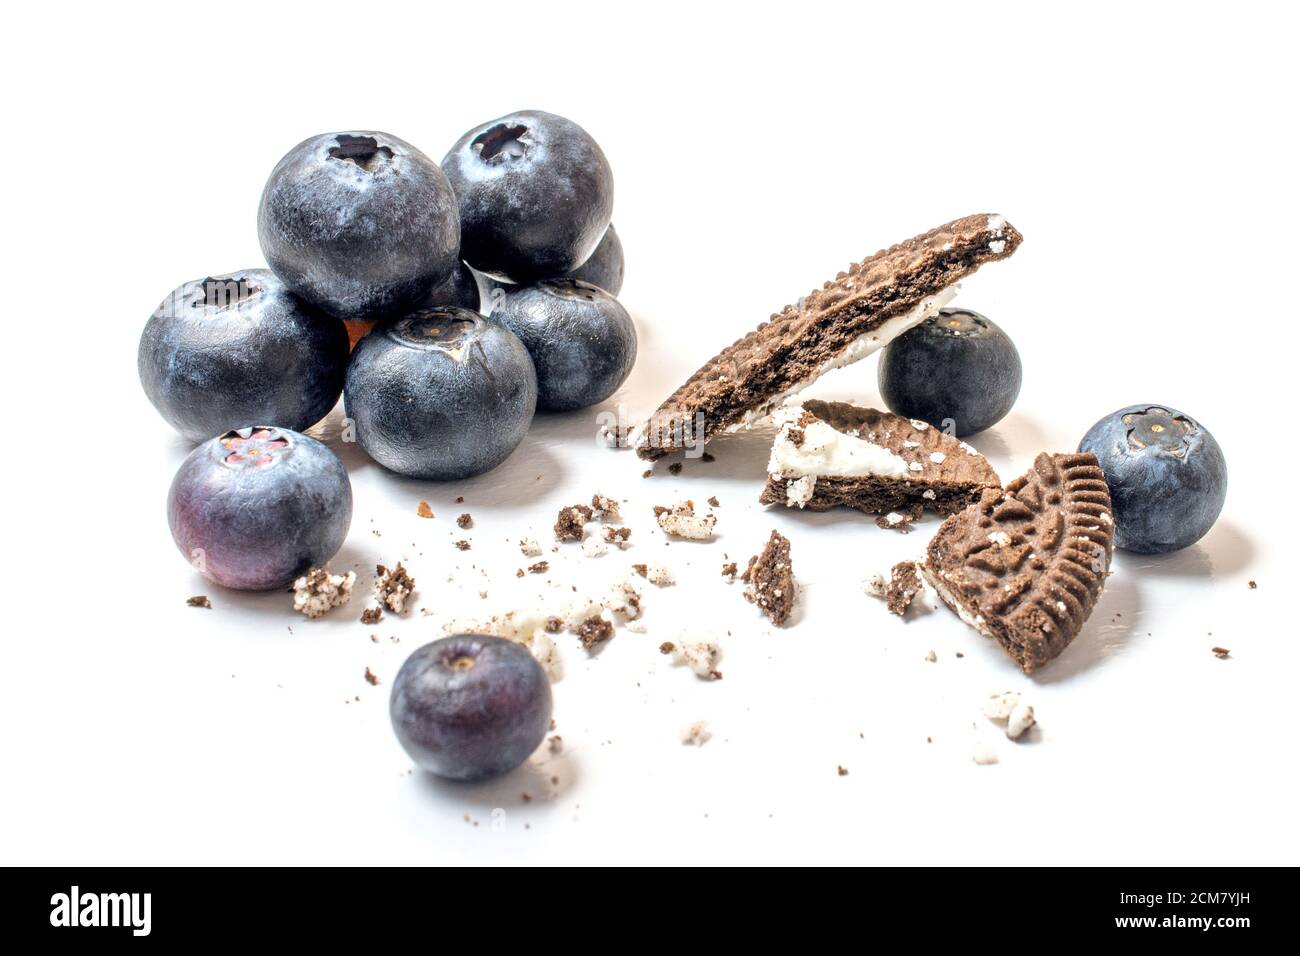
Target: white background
{"type": "Point", "coordinates": [1147, 153]}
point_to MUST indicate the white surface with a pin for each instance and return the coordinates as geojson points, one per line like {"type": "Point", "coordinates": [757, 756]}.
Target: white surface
{"type": "Point", "coordinates": [1141, 150]}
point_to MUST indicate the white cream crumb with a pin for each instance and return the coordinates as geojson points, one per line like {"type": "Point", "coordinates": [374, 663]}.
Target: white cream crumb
{"type": "Point", "coordinates": [999, 706]}
{"type": "Point", "coordinates": [918, 424]}
{"type": "Point", "coordinates": [983, 754]}
{"type": "Point", "coordinates": [547, 654]}
{"type": "Point", "coordinates": [876, 585]}
{"type": "Point", "coordinates": [318, 591]}
{"type": "Point", "coordinates": [997, 246]}
{"type": "Point", "coordinates": [530, 547]}
{"type": "Point", "coordinates": [701, 656]}
{"type": "Point", "coordinates": [594, 547]}
{"type": "Point", "coordinates": [911, 444]}
{"type": "Point", "coordinates": [636, 627]}
{"type": "Point", "coordinates": [996, 224]}
{"type": "Point", "coordinates": [915, 466]}
{"type": "Point", "coordinates": [624, 600]}
{"type": "Point", "coordinates": [932, 657]}
{"type": "Point", "coordinates": [937, 457]}
{"type": "Point", "coordinates": [1020, 720]}
{"type": "Point", "coordinates": [928, 494]}
{"type": "Point", "coordinates": [681, 521]}
{"type": "Point", "coordinates": [1000, 538]}
{"type": "Point", "coordinates": [894, 518]}
{"type": "Point", "coordinates": [659, 576]}
{"type": "Point", "coordinates": [697, 734]}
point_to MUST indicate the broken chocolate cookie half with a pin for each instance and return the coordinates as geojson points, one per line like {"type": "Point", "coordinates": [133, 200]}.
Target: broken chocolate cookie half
{"type": "Point", "coordinates": [829, 454]}
{"type": "Point", "coordinates": [853, 315]}
{"type": "Point", "coordinates": [1026, 566]}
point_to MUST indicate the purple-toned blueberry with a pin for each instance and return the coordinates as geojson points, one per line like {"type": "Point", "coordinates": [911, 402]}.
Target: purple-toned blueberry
{"type": "Point", "coordinates": [582, 340]}
{"type": "Point", "coordinates": [440, 394]}
{"type": "Point", "coordinates": [256, 507]}
{"type": "Point", "coordinates": [232, 350]}
{"type": "Point", "coordinates": [1167, 476]}
{"type": "Point", "coordinates": [360, 224]}
{"type": "Point", "coordinates": [470, 707]}
{"type": "Point", "coordinates": [956, 370]}
{"type": "Point", "coordinates": [535, 195]}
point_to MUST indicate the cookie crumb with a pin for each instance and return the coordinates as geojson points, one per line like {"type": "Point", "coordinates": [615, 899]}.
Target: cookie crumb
{"type": "Point", "coordinates": [540, 567]}
{"type": "Point", "coordinates": [595, 630]}
{"type": "Point", "coordinates": [675, 468]}
{"type": "Point", "coordinates": [317, 591]}
{"type": "Point", "coordinates": [392, 588]}
{"type": "Point", "coordinates": [463, 545]}
{"type": "Point", "coordinates": [371, 677]}
{"type": "Point", "coordinates": [904, 583]}
{"type": "Point", "coordinates": [647, 473]}
{"type": "Point", "coordinates": [199, 600]}
{"type": "Point", "coordinates": [371, 615]}
{"type": "Point", "coordinates": [842, 770]}
{"type": "Point", "coordinates": [618, 536]}
{"type": "Point", "coordinates": [604, 507]}
{"type": "Point", "coordinates": [642, 569]}
{"type": "Point", "coordinates": [658, 575]}
{"type": "Point", "coordinates": [1252, 585]}
{"type": "Point", "coordinates": [932, 657]}
{"type": "Point", "coordinates": [569, 523]}
{"type": "Point", "coordinates": [555, 744]}
{"type": "Point", "coordinates": [530, 547]}
{"type": "Point", "coordinates": [465, 521]}
{"type": "Point", "coordinates": [701, 656]}
{"type": "Point", "coordinates": [770, 576]}
{"type": "Point", "coordinates": [667, 647]}
{"type": "Point", "coordinates": [460, 500]}
{"type": "Point", "coordinates": [1220, 652]}
{"type": "Point", "coordinates": [697, 734]}
{"type": "Point", "coordinates": [714, 502]}
{"type": "Point", "coordinates": [423, 510]}
{"type": "Point", "coordinates": [729, 570]}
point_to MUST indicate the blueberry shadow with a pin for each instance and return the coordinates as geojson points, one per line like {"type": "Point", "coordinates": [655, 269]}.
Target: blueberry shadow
{"type": "Point", "coordinates": [1113, 623]}
{"type": "Point", "coordinates": [544, 776]}
{"type": "Point", "coordinates": [1226, 550]}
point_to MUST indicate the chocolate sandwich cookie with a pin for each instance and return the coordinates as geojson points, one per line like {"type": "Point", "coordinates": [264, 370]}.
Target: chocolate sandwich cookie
{"type": "Point", "coordinates": [850, 317]}
{"type": "Point", "coordinates": [770, 580]}
{"type": "Point", "coordinates": [828, 454]}
{"type": "Point", "coordinates": [1025, 566]}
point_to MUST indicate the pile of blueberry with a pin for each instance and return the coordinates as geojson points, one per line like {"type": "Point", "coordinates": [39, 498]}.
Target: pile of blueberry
{"type": "Point", "coordinates": [1167, 476]}
{"type": "Point", "coordinates": [380, 265]}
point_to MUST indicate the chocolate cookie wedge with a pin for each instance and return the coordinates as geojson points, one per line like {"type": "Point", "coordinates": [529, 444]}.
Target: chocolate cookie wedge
{"type": "Point", "coordinates": [829, 454]}
{"type": "Point", "coordinates": [850, 317]}
{"type": "Point", "coordinates": [1025, 566]}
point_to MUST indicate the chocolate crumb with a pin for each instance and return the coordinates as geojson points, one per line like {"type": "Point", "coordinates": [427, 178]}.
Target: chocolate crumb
{"type": "Point", "coordinates": [371, 615]}
{"type": "Point", "coordinates": [555, 743]}
{"type": "Point", "coordinates": [770, 576]}
{"type": "Point", "coordinates": [675, 468]}
{"type": "Point", "coordinates": [904, 583]}
{"type": "Point", "coordinates": [618, 536]}
{"type": "Point", "coordinates": [641, 569]}
{"type": "Point", "coordinates": [729, 570]}
{"type": "Point", "coordinates": [460, 500]}
{"type": "Point", "coordinates": [707, 457]}
{"type": "Point", "coordinates": [423, 510]}
{"type": "Point", "coordinates": [463, 545]}
{"type": "Point", "coordinates": [371, 677]}
{"type": "Point", "coordinates": [199, 600]}
{"type": "Point", "coordinates": [713, 501]}
{"type": "Point", "coordinates": [465, 521]}
{"type": "Point", "coordinates": [594, 630]}
{"type": "Point", "coordinates": [519, 573]}
{"type": "Point", "coordinates": [842, 771]}
{"type": "Point", "coordinates": [569, 522]}
{"type": "Point", "coordinates": [667, 647]}
{"type": "Point", "coordinates": [541, 567]}
{"type": "Point", "coordinates": [392, 588]}
{"type": "Point", "coordinates": [1220, 652]}
{"type": "Point", "coordinates": [1252, 584]}
{"type": "Point", "coordinates": [647, 473]}
{"type": "Point", "coordinates": [553, 625]}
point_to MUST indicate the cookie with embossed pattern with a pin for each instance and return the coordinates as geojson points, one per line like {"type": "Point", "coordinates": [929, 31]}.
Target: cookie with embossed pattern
{"type": "Point", "coordinates": [859, 311]}
{"type": "Point", "coordinates": [1026, 565]}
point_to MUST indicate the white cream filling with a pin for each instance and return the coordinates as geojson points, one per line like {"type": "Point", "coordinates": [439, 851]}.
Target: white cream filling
{"type": "Point", "coordinates": [855, 351]}
{"type": "Point", "coordinates": [827, 453]}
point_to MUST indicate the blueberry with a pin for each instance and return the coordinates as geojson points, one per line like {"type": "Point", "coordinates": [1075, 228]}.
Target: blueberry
{"type": "Point", "coordinates": [581, 340]}
{"type": "Point", "coordinates": [1166, 474]}
{"type": "Point", "coordinates": [535, 194]}
{"type": "Point", "coordinates": [956, 370]}
{"type": "Point", "coordinates": [440, 394]}
{"type": "Point", "coordinates": [256, 507]}
{"type": "Point", "coordinates": [605, 267]}
{"type": "Point", "coordinates": [360, 224]}
{"type": "Point", "coordinates": [229, 351]}
{"type": "Point", "coordinates": [469, 707]}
